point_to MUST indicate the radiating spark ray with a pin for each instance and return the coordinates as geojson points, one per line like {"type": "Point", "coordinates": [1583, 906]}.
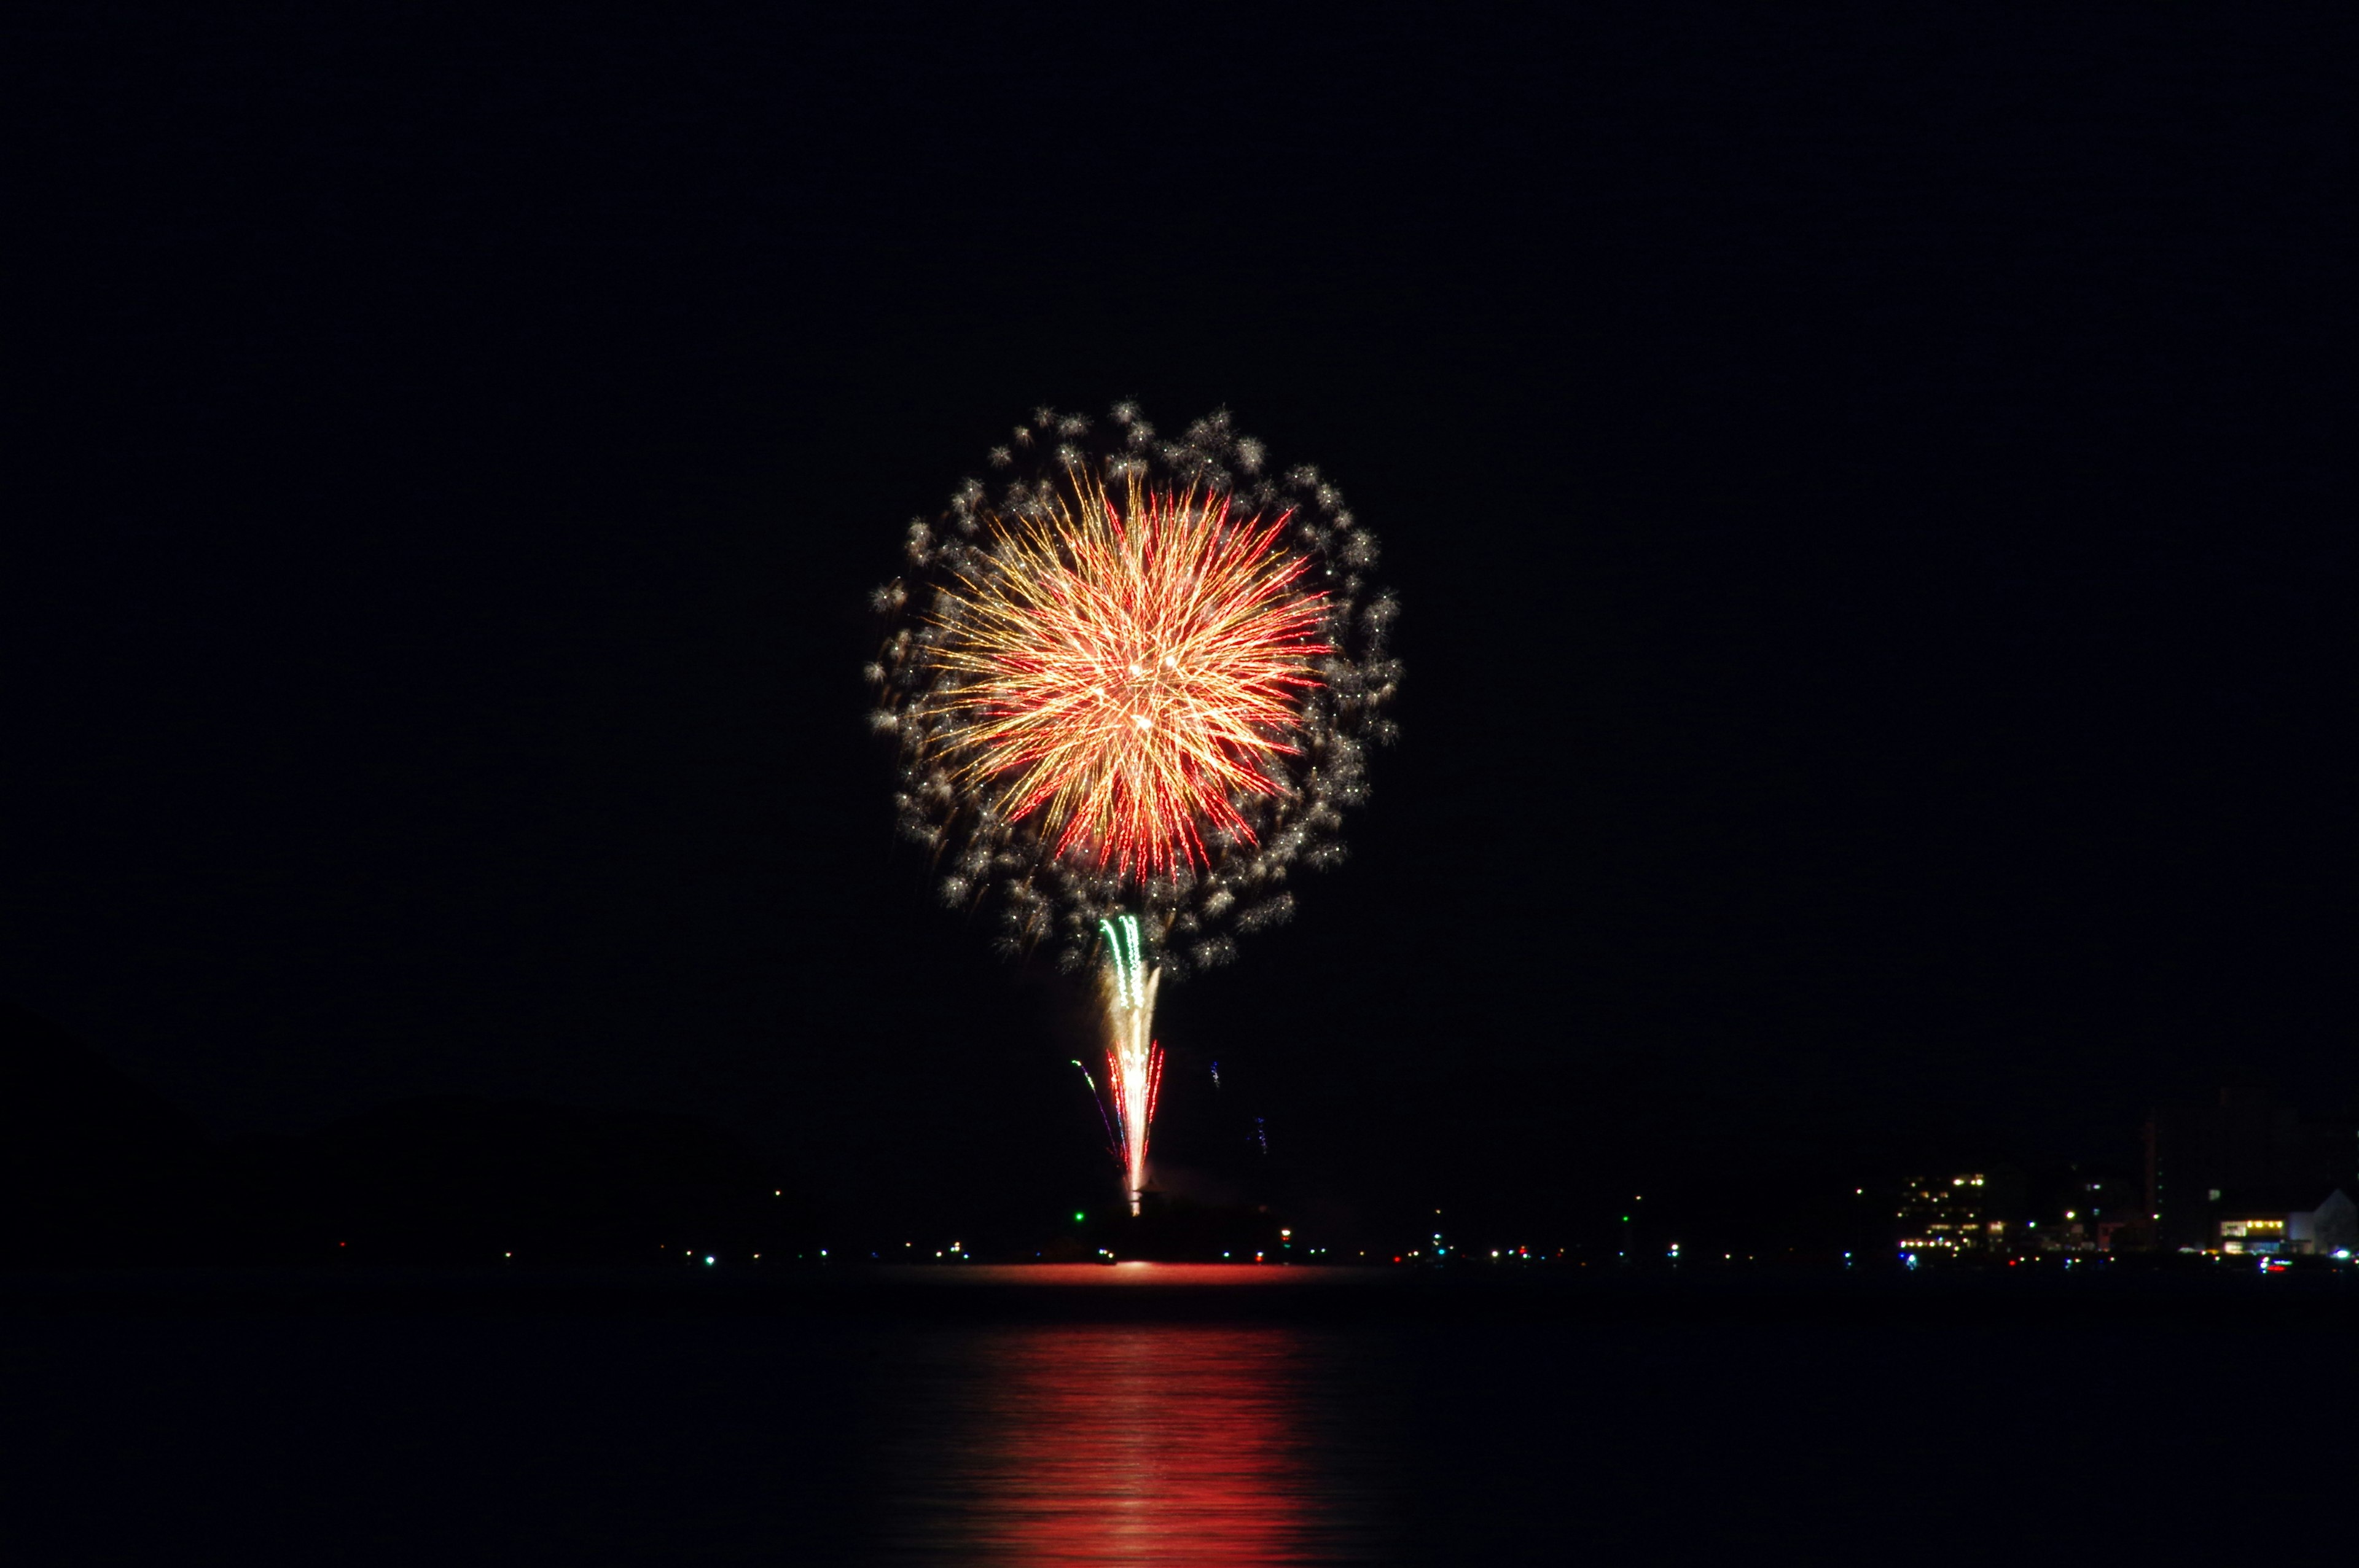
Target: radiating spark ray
{"type": "Point", "coordinates": [1121, 670]}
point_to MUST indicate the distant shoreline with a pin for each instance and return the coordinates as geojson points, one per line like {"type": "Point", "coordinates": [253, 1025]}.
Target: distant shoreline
{"type": "Point", "coordinates": [1151, 1291]}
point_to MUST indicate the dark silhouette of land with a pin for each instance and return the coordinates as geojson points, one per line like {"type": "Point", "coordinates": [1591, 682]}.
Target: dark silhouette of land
{"type": "Point", "coordinates": [104, 1170]}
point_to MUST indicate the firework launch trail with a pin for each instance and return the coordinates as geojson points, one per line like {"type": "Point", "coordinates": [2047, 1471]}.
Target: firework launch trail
{"type": "Point", "coordinates": [1133, 1061]}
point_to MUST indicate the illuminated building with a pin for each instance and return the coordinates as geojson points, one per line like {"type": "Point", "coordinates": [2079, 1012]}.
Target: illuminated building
{"type": "Point", "coordinates": [1947, 1216]}
{"type": "Point", "coordinates": [2332, 1227]}
{"type": "Point", "coordinates": [2241, 1158]}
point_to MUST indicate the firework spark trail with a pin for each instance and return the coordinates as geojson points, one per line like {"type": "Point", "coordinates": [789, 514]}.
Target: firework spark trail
{"type": "Point", "coordinates": [1114, 1139]}
{"type": "Point", "coordinates": [1131, 686]}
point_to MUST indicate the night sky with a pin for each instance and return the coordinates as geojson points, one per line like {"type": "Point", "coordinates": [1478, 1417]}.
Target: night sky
{"type": "Point", "coordinates": [1871, 502]}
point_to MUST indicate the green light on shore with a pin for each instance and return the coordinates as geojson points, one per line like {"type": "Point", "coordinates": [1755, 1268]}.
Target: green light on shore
{"type": "Point", "coordinates": [1077, 1217]}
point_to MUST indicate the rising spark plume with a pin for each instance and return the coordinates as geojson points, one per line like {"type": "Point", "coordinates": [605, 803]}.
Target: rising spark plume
{"type": "Point", "coordinates": [1133, 1061]}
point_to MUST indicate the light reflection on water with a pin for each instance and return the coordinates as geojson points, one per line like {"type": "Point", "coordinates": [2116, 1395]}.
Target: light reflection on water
{"type": "Point", "coordinates": [1119, 1444]}
{"type": "Point", "coordinates": [290, 1433]}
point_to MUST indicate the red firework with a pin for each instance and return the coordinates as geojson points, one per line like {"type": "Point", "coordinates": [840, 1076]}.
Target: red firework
{"type": "Point", "coordinates": [1125, 672]}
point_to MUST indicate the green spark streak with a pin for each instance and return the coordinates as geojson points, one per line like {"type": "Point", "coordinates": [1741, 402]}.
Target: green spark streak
{"type": "Point", "coordinates": [1122, 943]}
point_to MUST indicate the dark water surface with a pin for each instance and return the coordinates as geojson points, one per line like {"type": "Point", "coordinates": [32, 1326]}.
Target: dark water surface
{"type": "Point", "coordinates": [933, 1421]}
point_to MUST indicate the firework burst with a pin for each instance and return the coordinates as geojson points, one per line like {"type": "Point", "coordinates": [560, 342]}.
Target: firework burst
{"type": "Point", "coordinates": [1133, 684]}
{"type": "Point", "coordinates": [1123, 670]}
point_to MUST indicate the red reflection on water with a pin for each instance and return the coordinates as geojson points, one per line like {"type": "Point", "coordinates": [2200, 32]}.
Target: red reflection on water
{"type": "Point", "coordinates": [1114, 1444]}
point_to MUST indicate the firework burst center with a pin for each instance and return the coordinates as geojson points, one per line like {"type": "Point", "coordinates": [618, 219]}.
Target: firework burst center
{"type": "Point", "coordinates": [1126, 671]}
